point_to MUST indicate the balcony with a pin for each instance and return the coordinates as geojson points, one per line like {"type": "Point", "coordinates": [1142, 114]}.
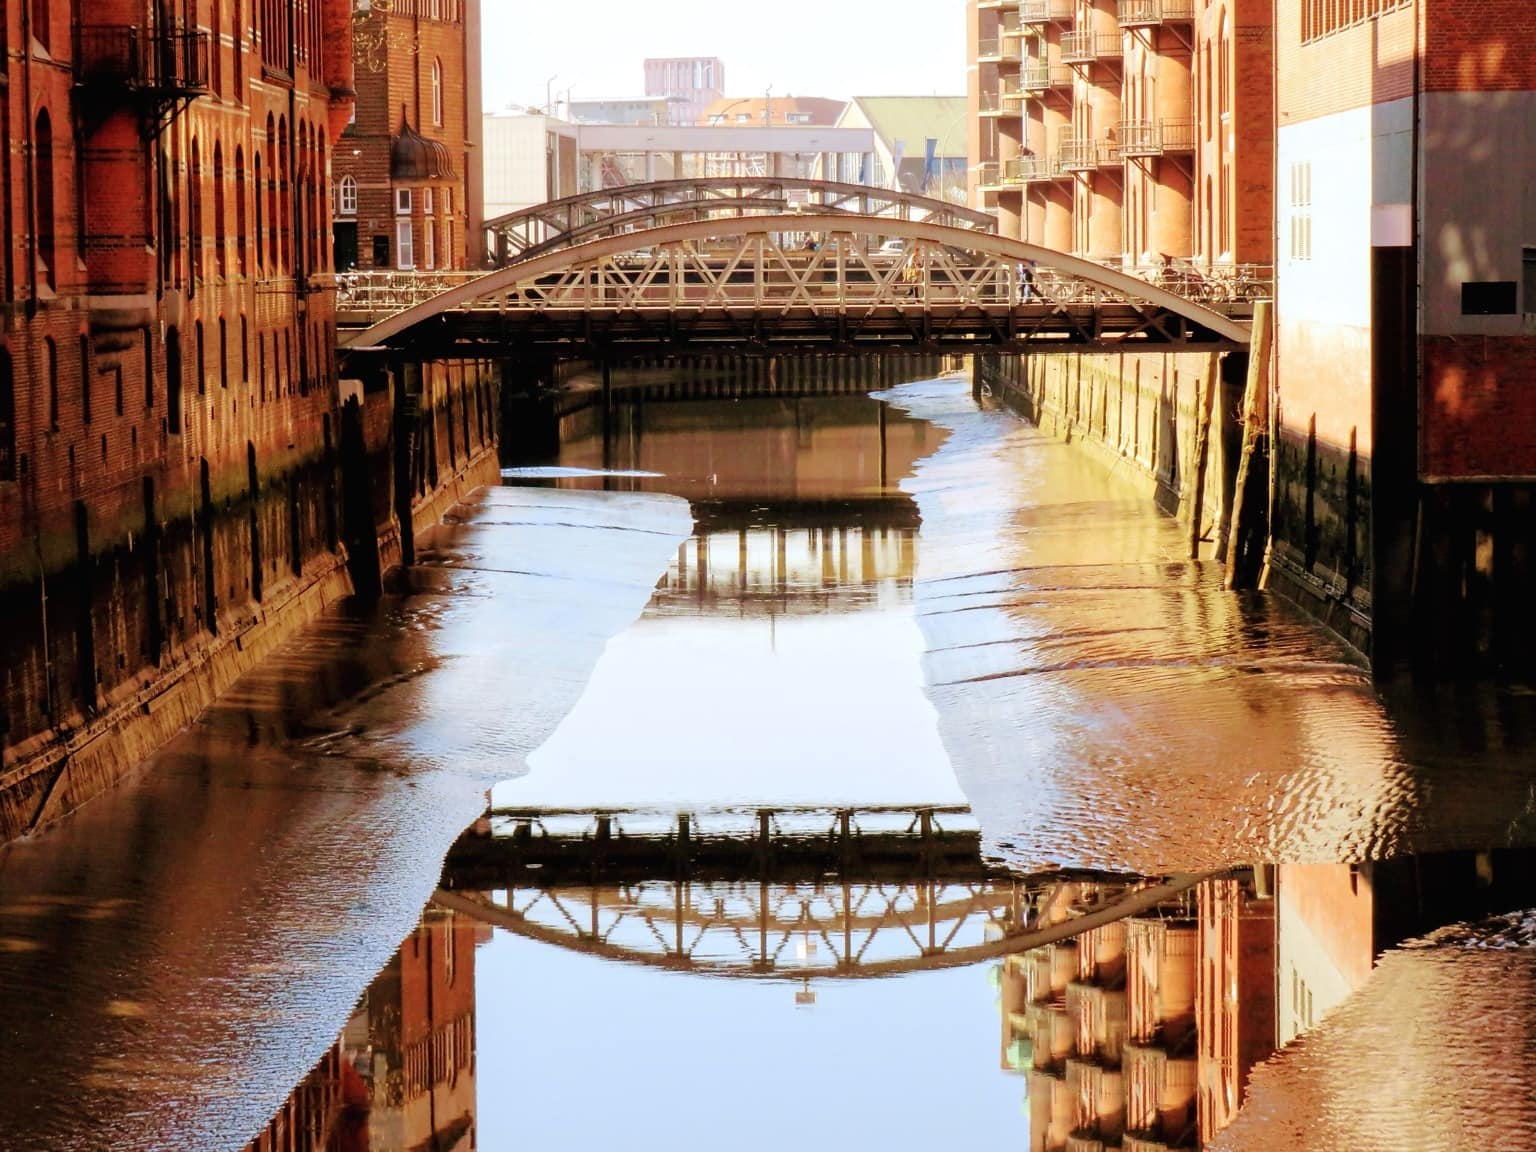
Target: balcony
{"type": "Point", "coordinates": [1005, 5]}
{"type": "Point", "coordinates": [1029, 170]}
{"type": "Point", "coordinates": [1086, 47]}
{"type": "Point", "coordinates": [1044, 11]}
{"type": "Point", "coordinates": [990, 49]}
{"type": "Point", "coordinates": [989, 174]}
{"type": "Point", "coordinates": [168, 65]}
{"type": "Point", "coordinates": [1149, 13]}
{"type": "Point", "coordinates": [1076, 154]}
{"type": "Point", "coordinates": [1043, 77]}
{"type": "Point", "coordinates": [1154, 137]}
{"type": "Point", "coordinates": [1011, 94]}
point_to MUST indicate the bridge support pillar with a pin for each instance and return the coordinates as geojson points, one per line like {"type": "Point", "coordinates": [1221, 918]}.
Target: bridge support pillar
{"type": "Point", "coordinates": [530, 423]}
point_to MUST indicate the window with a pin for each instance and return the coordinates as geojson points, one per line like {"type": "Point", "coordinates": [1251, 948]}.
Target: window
{"type": "Point", "coordinates": [149, 369]}
{"type": "Point", "coordinates": [447, 201]}
{"type": "Point", "coordinates": [346, 197]}
{"type": "Point", "coordinates": [220, 236]}
{"type": "Point", "coordinates": [43, 179]}
{"type": "Point", "coordinates": [427, 201]}
{"type": "Point", "coordinates": [1528, 278]}
{"type": "Point", "coordinates": [437, 93]}
{"type": "Point", "coordinates": [429, 245]}
{"type": "Point", "coordinates": [402, 201]}
{"type": "Point", "coordinates": [7, 418]}
{"type": "Point", "coordinates": [173, 381]}
{"type": "Point", "coordinates": [242, 241]}
{"type": "Point", "coordinates": [85, 379]}
{"type": "Point", "coordinates": [51, 361]}
{"type": "Point", "coordinates": [405, 254]}
{"type": "Point", "coordinates": [195, 213]}
{"type": "Point", "coordinates": [1301, 211]}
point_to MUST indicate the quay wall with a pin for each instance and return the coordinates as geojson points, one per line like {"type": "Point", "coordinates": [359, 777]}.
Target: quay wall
{"type": "Point", "coordinates": [115, 642]}
{"type": "Point", "coordinates": [1170, 422]}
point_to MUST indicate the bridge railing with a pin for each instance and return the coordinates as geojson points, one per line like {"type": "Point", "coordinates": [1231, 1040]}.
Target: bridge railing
{"type": "Point", "coordinates": [756, 274]}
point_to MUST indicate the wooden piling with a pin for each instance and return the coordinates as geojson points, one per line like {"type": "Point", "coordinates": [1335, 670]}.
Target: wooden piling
{"type": "Point", "coordinates": [1202, 451]}
{"type": "Point", "coordinates": [1250, 511]}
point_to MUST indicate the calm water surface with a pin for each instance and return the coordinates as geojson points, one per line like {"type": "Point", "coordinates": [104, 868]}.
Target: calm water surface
{"type": "Point", "coordinates": [782, 727]}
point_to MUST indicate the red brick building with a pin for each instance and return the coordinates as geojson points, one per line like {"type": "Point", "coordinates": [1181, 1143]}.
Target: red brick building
{"type": "Point", "coordinates": [408, 179]}
{"type": "Point", "coordinates": [1406, 353]}
{"type": "Point", "coordinates": [167, 380]}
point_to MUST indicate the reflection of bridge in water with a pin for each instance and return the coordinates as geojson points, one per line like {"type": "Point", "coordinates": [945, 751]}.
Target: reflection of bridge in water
{"type": "Point", "coordinates": [787, 892]}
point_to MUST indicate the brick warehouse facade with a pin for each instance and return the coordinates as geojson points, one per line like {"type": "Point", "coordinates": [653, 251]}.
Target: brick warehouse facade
{"type": "Point", "coordinates": [408, 172]}
{"type": "Point", "coordinates": [1406, 352]}
{"type": "Point", "coordinates": [173, 450]}
{"type": "Point", "coordinates": [1132, 131]}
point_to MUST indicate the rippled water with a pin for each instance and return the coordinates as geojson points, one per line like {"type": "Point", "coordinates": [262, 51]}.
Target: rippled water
{"type": "Point", "coordinates": [798, 720]}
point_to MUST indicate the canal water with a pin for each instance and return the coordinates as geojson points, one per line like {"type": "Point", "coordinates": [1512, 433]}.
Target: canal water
{"type": "Point", "coordinates": [819, 768]}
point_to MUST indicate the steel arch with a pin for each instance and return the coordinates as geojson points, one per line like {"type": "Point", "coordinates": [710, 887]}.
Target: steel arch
{"type": "Point", "coordinates": [544, 227]}
{"type": "Point", "coordinates": [587, 269]}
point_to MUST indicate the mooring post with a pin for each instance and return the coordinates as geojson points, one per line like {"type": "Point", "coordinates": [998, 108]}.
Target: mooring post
{"type": "Point", "coordinates": [1245, 549]}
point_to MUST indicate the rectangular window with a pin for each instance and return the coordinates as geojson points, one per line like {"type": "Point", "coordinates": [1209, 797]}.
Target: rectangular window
{"type": "Point", "coordinates": [429, 245]}
{"type": "Point", "coordinates": [402, 201]}
{"type": "Point", "coordinates": [405, 252]}
{"type": "Point", "coordinates": [426, 201]}
{"type": "Point", "coordinates": [1301, 211]}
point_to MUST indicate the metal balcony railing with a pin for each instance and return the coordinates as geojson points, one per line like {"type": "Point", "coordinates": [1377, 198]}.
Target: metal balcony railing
{"type": "Point", "coordinates": [1042, 77]}
{"type": "Point", "coordinates": [1029, 170]}
{"type": "Point", "coordinates": [1145, 13]}
{"type": "Point", "coordinates": [174, 62]}
{"type": "Point", "coordinates": [1086, 47]}
{"type": "Point", "coordinates": [989, 49]}
{"type": "Point", "coordinates": [1154, 137]}
{"type": "Point", "coordinates": [1013, 92]}
{"type": "Point", "coordinates": [1012, 47]}
{"type": "Point", "coordinates": [1076, 154]}
{"type": "Point", "coordinates": [989, 175]}
{"type": "Point", "coordinates": [1044, 11]}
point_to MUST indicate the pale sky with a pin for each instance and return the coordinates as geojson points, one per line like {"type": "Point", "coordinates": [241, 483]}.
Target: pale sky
{"type": "Point", "coordinates": [834, 48]}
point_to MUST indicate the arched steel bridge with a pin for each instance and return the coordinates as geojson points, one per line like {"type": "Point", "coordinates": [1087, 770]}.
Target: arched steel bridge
{"type": "Point", "coordinates": [610, 211]}
{"type": "Point", "coordinates": [797, 893]}
{"type": "Point", "coordinates": [735, 284]}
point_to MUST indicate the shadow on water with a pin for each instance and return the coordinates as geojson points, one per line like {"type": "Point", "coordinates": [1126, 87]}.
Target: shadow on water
{"type": "Point", "coordinates": [928, 778]}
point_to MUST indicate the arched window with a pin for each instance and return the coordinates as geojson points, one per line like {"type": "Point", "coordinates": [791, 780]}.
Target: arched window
{"type": "Point", "coordinates": [173, 381]}
{"type": "Point", "coordinates": [242, 242]}
{"type": "Point", "coordinates": [284, 214]}
{"type": "Point", "coordinates": [195, 212]}
{"type": "Point", "coordinates": [201, 362]}
{"type": "Point", "coordinates": [7, 418]}
{"type": "Point", "coordinates": [272, 163]}
{"type": "Point", "coordinates": [51, 365]}
{"type": "Point", "coordinates": [346, 197]}
{"type": "Point", "coordinates": [43, 178]}
{"type": "Point", "coordinates": [40, 23]}
{"type": "Point", "coordinates": [437, 93]}
{"type": "Point", "coordinates": [261, 260]}
{"type": "Point", "coordinates": [85, 379]}
{"type": "Point", "coordinates": [220, 236]}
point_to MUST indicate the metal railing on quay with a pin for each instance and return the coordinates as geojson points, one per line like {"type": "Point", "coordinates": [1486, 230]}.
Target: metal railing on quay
{"type": "Point", "coordinates": [386, 292]}
{"type": "Point", "coordinates": [1207, 283]}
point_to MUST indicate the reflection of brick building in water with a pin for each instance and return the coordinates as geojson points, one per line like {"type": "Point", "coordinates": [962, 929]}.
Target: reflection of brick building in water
{"type": "Point", "coordinates": [413, 1039]}
{"type": "Point", "coordinates": [1118, 1028]}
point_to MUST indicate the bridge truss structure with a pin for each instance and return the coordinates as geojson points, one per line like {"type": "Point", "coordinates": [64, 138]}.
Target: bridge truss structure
{"type": "Point", "coordinates": [737, 285]}
{"type": "Point", "coordinates": [786, 893]}
{"type": "Point", "coordinates": [627, 208]}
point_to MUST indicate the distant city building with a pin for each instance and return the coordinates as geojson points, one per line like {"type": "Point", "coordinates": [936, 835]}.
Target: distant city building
{"type": "Point", "coordinates": [689, 83]}
{"type": "Point", "coordinates": [630, 110]}
{"type": "Point", "coordinates": [529, 158]}
{"type": "Point", "coordinates": [763, 110]}
{"type": "Point", "coordinates": [406, 179]}
{"type": "Point", "coordinates": [904, 126]}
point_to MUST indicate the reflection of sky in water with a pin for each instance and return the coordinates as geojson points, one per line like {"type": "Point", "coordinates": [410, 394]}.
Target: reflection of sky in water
{"type": "Point", "coordinates": [708, 711]}
{"type": "Point", "coordinates": [576, 1052]}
